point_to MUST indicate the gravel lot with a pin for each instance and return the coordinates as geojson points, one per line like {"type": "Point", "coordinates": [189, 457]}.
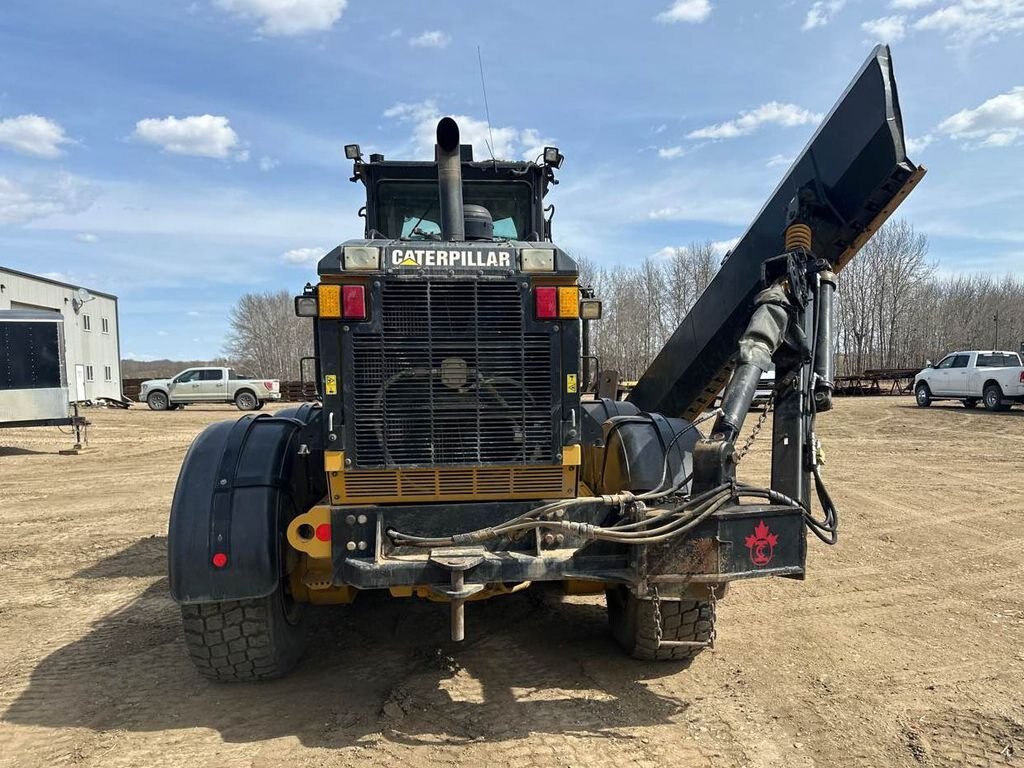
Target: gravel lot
{"type": "Point", "coordinates": [904, 647]}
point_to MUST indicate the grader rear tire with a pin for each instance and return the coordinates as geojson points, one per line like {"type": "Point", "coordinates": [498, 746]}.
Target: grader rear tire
{"type": "Point", "coordinates": [633, 625]}
{"type": "Point", "coordinates": [245, 640]}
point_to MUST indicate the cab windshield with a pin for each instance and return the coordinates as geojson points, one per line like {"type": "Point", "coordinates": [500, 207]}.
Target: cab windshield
{"type": "Point", "coordinates": [410, 209]}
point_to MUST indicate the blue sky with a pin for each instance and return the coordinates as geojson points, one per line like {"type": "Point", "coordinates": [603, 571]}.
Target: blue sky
{"type": "Point", "coordinates": [676, 118]}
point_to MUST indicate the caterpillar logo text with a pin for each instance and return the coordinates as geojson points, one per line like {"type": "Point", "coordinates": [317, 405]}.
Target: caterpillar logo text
{"type": "Point", "coordinates": [458, 258]}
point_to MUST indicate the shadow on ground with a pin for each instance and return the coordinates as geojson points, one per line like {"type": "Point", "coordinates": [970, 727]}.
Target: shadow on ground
{"type": "Point", "coordinates": [980, 410]}
{"type": "Point", "coordinates": [10, 450]}
{"type": "Point", "coordinates": [532, 664]}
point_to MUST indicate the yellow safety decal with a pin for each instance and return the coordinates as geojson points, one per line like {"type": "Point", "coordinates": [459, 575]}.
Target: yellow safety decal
{"type": "Point", "coordinates": [330, 384]}
{"type": "Point", "coordinates": [570, 383]}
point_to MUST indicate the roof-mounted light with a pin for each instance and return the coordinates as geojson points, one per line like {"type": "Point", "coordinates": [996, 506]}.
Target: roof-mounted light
{"type": "Point", "coordinates": [553, 157]}
{"type": "Point", "coordinates": [352, 152]}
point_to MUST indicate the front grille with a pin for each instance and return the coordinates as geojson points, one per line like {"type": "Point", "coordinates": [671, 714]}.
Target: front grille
{"type": "Point", "coordinates": [452, 377]}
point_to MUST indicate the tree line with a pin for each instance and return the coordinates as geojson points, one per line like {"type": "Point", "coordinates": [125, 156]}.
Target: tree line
{"type": "Point", "coordinates": [894, 310]}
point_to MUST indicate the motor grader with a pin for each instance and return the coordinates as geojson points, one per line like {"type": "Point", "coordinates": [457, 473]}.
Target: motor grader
{"type": "Point", "coordinates": [454, 454]}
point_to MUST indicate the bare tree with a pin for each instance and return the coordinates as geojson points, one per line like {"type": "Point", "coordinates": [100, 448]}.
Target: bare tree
{"type": "Point", "coordinates": [267, 337]}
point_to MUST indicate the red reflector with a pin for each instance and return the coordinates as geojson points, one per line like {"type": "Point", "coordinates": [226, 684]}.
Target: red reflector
{"type": "Point", "coordinates": [547, 303]}
{"type": "Point", "coordinates": [323, 531]}
{"type": "Point", "coordinates": [220, 560]}
{"type": "Point", "coordinates": [353, 302]}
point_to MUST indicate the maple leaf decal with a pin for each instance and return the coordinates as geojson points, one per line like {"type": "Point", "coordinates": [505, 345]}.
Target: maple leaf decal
{"type": "Point", "coordinates": [762, 533]}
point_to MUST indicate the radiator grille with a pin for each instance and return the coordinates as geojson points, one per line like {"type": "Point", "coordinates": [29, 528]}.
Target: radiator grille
{"type": "Point", "coordinates": [452, 378]}
{"type": "Point", "coordinates": [381, 486]}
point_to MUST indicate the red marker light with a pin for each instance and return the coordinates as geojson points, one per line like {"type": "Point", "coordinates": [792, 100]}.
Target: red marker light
{"type": "Point", "coordinates": [220, 560]}
{"type": "Point", "coordinates": [353, 302]}
{"type": "Point", "coordinates": [547, 302]}
{"type": "Point", "coordinates": [323, 531]}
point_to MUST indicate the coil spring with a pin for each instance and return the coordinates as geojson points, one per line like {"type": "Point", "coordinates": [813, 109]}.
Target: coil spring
{"type": "Point", "coordinates": [798, 236]}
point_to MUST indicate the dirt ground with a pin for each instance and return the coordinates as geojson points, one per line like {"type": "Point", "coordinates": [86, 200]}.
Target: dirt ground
{"type": "Point", "coordinates": [904, 647]}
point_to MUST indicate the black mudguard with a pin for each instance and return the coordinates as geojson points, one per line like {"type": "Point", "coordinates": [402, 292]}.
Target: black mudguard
{"type": "Point", "coordinates": [240, 484]}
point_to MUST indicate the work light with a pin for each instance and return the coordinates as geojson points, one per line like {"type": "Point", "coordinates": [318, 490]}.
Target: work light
{"type": "Point", "coordinates": [590, 309]}
{"type": "Point", "coordinates": [358, 257]}
{"type": "Point", "coordinates": [537, 259]}
{"type": "Point", "coordinates": [305, 306]}
{"type": "Point", "coordinates": [352, 152]}
{"type": "Point", "coordinates": [553, 157]}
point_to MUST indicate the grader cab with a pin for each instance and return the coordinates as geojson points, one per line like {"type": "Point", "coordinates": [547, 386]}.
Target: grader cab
{"type": "Point", "coordinates": [453, 456]}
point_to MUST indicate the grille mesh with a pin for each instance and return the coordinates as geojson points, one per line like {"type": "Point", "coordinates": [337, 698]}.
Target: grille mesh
{"type": "Point", "coordinates": [452, 378]}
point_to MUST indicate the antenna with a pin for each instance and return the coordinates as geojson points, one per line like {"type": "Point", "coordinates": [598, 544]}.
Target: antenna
{"type": "Point", "coordinates": [487, 109]}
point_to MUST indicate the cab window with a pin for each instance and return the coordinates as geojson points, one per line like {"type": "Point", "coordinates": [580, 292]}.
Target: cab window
{"type": "Point", "coordinates": [409, 209]}
{"type": "Point", "coordinates": [186, 376]}
{"type": "Point", "coordinates": [946, 362]}
{"type": "Point", "coordinates": [211, 374]}
{"type": "Point", "coordinates": [960, 361]}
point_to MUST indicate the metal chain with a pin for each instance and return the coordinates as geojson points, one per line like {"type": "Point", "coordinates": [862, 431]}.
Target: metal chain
{"type": "Point", "coordinates": [757, 428]}
{"type": "Point", "coordinates": [656, 605]}
{"type": "Point", "coordinates": [714, 619]}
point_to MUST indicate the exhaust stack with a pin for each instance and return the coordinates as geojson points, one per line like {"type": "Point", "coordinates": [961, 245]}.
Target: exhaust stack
{"type": "Point", "coordinates": [449, 180]}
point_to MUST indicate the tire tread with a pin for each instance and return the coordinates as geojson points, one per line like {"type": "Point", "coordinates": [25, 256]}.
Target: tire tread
{"type": "Point", "coordinates": [233, 641]}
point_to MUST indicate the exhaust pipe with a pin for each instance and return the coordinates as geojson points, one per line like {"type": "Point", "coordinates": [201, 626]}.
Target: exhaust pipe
{"type": "Point", "coordinates": [449, 180]}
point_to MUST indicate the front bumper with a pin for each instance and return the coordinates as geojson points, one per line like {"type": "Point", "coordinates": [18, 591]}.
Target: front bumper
{"type": "Point", "coordinates": [738, 542]}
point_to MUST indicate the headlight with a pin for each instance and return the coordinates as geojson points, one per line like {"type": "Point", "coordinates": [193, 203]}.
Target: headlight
{"type": "Point", "coordinates": [361, 257]}
{"type": "Point", "coordinates": [538, 259]}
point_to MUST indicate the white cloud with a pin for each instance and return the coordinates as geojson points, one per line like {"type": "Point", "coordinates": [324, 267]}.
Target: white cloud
{"type": "Point", "coordinates": [23, 202]}
{"type": "Point", "coordinates": [967, 22]}
{"type": "Point", "coordinates": [772, 113]}
{"type": "Point", "coordinates": [887, 29]}
{"type": "Point", "coordinates": [33, 135]}
{"type": "Point", "coordinates": [909, 5]}
{"type": "Point", "coordinates": [287, 17]}
{"type": "Point", "coordinates": [660, 129]}
{"type": "Point", "coordinates": [821, 13]}
{"type": "Point", "coordinates": [303, 255]}
{"type": "Point", "coordinates": [918, 145]}
{"type": "Point", "coordinates": [722, 247]}
{"type": "Point", "coordinates": [199, 136]}
{"type": "Point", "coordinates": [268, 163]}
{"type": "Point", "coordinates": [688, 11]}
{"type": "Point", "coordinates": [997, 122]}
{"type": "Point", "coordinates": [508, 142]}
{"type": "Point", "coordinates": [192, 313]}
{"type": "Point", "coordinates": [776, 160]}
{"type": "Point", "coordinates": [86, 237]}
{"type": "Point", "coordinates": [435, 38]}
{"type": "Point", "coordinates": [671, 153]}
{"type": "Point", "coordinates": [718, 247]}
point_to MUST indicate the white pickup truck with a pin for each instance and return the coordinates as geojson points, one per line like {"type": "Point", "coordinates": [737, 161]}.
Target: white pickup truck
{"type": "Point", "coordinates": [995, 377]}
{"type": "Point", "coordinates": [209, 385]}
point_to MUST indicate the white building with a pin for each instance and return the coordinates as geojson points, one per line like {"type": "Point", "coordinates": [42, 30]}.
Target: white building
{"type": "Point", "coordinates": [92, 344]}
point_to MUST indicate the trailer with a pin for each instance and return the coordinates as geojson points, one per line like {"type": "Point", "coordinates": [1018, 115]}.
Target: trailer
{"type": "Point", "coordinates": [33, 374]}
